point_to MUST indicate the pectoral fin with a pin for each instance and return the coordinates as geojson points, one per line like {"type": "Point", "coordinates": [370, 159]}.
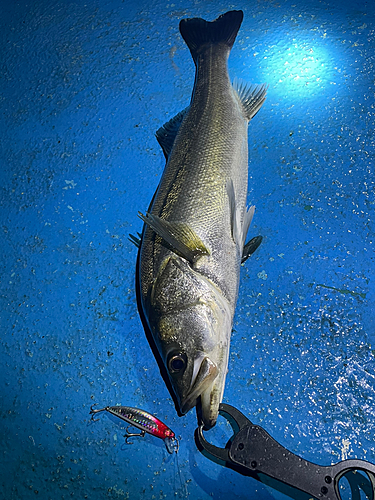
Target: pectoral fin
{"type": "Point", "coordinates": [179, 237]}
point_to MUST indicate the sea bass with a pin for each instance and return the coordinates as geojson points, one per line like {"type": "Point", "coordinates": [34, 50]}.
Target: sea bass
{"type": "Point", "coordinates": [194, 231]}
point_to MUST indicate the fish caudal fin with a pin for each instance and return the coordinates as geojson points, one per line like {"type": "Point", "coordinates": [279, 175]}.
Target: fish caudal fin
{"type": "Point", "coordinates": [199, 33]}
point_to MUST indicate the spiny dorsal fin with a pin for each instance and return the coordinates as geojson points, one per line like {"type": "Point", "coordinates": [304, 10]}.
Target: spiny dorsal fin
{"type": "Point", "coordinates": [135, 240]}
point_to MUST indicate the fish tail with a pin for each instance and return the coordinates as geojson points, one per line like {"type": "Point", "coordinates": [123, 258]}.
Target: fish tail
{"type": "Point", "coordinates": [199, 33]}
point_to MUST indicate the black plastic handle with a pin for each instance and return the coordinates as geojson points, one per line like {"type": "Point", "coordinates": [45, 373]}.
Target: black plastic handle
{"type": "Point", "coordinates": [252, 451]}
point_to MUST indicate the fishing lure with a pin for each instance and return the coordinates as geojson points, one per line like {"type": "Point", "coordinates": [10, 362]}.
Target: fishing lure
{"type": "Point", "coordinates": [141, 420]}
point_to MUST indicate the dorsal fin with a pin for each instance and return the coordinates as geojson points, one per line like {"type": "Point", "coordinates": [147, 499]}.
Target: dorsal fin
{"type": "Point", "coordinates": [166, 134]}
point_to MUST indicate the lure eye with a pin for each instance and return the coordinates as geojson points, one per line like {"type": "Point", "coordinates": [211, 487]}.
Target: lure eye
{"type": "Point", "coordinates": [177, 362]}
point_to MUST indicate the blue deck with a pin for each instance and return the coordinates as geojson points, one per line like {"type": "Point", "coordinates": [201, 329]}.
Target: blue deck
{"type": "Point", "coordinates": [84, 87]}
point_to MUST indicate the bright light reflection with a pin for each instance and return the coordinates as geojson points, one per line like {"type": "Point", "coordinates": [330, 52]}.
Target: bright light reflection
{"type": "Point", "coordinates": [300, 67]}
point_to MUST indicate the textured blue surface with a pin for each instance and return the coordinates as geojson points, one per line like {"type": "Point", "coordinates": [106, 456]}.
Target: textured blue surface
{"type": "Point", "coordinates": [84, 86]}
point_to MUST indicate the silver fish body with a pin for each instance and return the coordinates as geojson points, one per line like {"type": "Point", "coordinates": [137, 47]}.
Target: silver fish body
{"type": "Point", "coordinates": [194, 233]}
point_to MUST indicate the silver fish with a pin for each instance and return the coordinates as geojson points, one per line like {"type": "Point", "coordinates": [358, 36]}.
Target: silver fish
{"type": "Point", "coordinates": [194, 231]}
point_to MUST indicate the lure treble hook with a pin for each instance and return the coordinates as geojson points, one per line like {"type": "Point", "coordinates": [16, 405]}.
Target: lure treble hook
{"type": "Point", "coordinates": [93, 412]}
{"type": "Point", "coordinates": [132, 434]}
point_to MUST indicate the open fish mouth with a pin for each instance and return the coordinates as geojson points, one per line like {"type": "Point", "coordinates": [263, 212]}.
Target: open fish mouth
{"type": "Point", "coordinates": [203, 380]}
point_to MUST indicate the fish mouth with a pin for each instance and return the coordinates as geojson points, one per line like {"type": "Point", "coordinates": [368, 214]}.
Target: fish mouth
{"type": "Point", "coordinates": [203, 380]}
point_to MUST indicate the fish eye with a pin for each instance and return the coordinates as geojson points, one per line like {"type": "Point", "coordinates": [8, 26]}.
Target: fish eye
{"type": "Point", "coordinates": [177, 362]}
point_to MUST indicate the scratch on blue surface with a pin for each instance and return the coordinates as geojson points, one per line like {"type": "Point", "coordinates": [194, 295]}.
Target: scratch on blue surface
{"type": "Point", "coordinates": [341, 290]}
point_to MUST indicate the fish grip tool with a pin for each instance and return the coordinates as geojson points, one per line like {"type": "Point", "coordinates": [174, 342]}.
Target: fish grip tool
{"type": "Point", "coordinates": [251, 451]}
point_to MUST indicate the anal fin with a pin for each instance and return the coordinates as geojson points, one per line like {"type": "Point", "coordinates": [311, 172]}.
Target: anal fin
{"type": "Point", "coordinates": [252, 97]}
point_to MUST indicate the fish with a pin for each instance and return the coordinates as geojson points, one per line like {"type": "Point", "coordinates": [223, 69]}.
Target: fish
{"type": "Point", "coordinates": [193, 238]}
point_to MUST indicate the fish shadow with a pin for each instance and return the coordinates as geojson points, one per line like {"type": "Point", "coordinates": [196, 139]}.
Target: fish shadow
{"type": "Point", "coordinates": [150, 339]}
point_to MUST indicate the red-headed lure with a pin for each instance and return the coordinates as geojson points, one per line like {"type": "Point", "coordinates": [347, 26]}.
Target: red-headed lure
{"type": "Point", "coordinates": [144, 421]}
